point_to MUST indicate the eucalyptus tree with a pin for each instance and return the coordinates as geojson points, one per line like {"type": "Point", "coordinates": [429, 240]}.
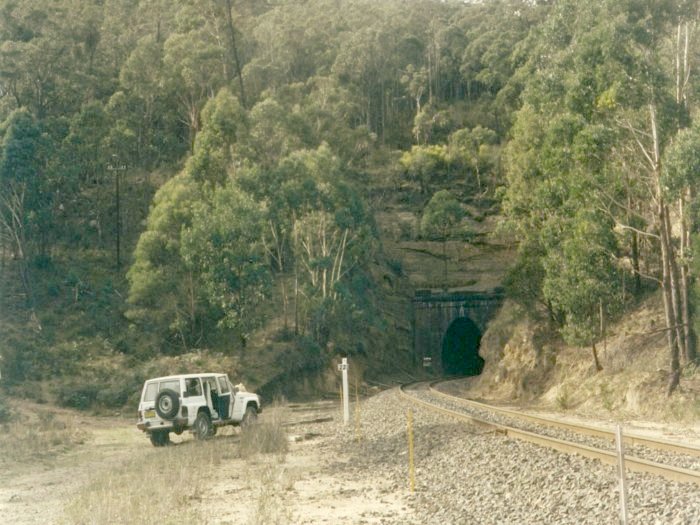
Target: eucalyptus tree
{"type": "Point", "coordinates": [680, 180]}
{"type": "Point", "coordinates": [224, 123]}
{"type": "Point", "coordinates": [38, 70]}
{"type": "Point", "coordinates": [166, 296]}
{"type": "Point", "coordinates": [581, 280]}
{"type": "Point", "coordinates": [292, 43]}
{"type": "Point", "coordinates": [170, 292]}
{"type": "Point", "coordinates": [194, 67]}
{"type": "Point", "coordinates": [24, 199]}
{"type": "Point", "coordinates": [426, 165]}
{"type": "Point", "coordinates": [273, 134]}
{"type": "Point", "coordinates": [475, 150]}
{"type": "Point", "coordinates": [144, 107]}
{"type": "Point", "coordinates": [223, 246]}
{"type": "Point", "coordinates": [651, 118]}
{"type": "Point", "coordinates": [613, 67]}
{"type": "Point", "coordinates": [317, 229]}
{"type": "Point", "coordinates": [440, 216]}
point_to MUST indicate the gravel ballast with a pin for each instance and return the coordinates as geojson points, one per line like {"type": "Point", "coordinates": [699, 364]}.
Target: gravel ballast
{"type": "Point", "coordinates": [468, 475]}
{"type": "Point", "coordinates": [639, 451]}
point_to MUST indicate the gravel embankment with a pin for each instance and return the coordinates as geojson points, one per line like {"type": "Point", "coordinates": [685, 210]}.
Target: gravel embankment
{"type": "Point", "coordinates": [465, 475]}
{"type": "Point", "coordinates": [639, 451]}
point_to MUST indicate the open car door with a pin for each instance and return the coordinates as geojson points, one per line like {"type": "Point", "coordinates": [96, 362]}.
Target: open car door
{"type": "Point", "coordinates": [225, 405]}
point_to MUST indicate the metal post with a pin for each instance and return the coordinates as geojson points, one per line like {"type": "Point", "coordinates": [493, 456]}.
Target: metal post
{"type": "Point", "coordinates": [117, 168]}
{"type": "Point", "coordinates": [621, 472]}
{"type": "Point", "coordinates": [346, 396]}
{"type": "Point", "coordinates": [119, 222]}
{"type": "Point", "coordinates": [411, 461]}
{"type": "Point", "coordinates": [358, 430]}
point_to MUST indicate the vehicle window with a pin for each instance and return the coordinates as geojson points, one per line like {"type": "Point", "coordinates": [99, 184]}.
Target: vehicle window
{"type": "Point", "coordinates": [172, 384]}
{"type": "Point", "coordinates": [223, 385]}
{"type": "Point", "coordinates": [212, 383]}
{"type": "Point", "coordinates": [151, 390]}
{"type": "Point", "coordinates": [194, 387]}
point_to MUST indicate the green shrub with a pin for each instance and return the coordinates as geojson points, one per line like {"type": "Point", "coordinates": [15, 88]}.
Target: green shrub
{"type": "Point", "coordinates": [96, 393]}
{"type": "Point", "coordinates": [396, 266]}
{"type": "Point", "coordinates": [406, 231]}
{"type": "Point", "coordinates": [113, 396]}
{"type": "Point", "coordinates": [78, 395]}
{"type": "Point", "coordinates": [43, 262]}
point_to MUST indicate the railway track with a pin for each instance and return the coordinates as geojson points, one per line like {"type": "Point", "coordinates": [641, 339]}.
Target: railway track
{"type": "Point", "coordinates": [670, 460]}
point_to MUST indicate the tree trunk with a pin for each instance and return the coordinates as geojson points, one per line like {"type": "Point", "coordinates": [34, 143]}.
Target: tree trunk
{"type": "Point", "coordinates": [192, 305]}
{"type": "Point", "coordinates": [682, 66]}
{"type": "Point", "coordinates": [673, 330]}
{"type": "Point", "coordinates": [675, 285]}
{"type": "Point", "coordinates": [444, 259]}
{"type": "Point", "coordinates": [671, 320]}
{"type": "Point", "coordinates": [12, 214]}
{"type": "Point", "coordinates": [635, 246]}
{"type": "Point", "coordinates": [635, 264]}
{"type": "Point", "coordinates": [598, 367]}
{"type": "Point", "coordinates": [690, 355]}
{"type": "Point", "coordinates": [234, 50]}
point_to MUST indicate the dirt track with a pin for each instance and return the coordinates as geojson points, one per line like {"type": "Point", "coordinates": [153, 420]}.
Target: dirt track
{"type": "Point", "coordinates": [37, 491]}
{"type": "Point", "coordinates": [313, 484]}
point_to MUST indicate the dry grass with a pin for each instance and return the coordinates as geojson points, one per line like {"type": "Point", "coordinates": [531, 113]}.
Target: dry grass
{"type": "Point", "coordinates": [167, 485]}
{"type": "Point", "coordinates": [159, 486]}
{"type": "Point", "coordinates": [38, 434]}
{"type": "Point", "coordinates": [268, 434]}
{"type": "Point", "coordinates": [272, 481]}
{"type": "Point", "coordinates": [268, 474]}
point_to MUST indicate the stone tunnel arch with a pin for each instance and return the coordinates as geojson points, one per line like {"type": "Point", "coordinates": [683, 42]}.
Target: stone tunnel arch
{"type": "Point", "coordinates": [460, 348]}
{"type": "Point", "coordinates": [436, 323]}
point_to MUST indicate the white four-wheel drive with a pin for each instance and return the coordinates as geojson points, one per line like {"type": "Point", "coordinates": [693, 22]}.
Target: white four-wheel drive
{"type": "Point", "coordinates": [197, 402]}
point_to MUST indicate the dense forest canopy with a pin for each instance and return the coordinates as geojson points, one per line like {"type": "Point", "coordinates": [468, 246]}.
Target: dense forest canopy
{"type": "Point", "coordinates": [232, 148]}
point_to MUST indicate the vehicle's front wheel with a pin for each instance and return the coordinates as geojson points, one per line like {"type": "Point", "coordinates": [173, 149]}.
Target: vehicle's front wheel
{"type": "Point", "coordinates": [159, 438]}
{"type": "Point", "coordinates": [203, 426]}
{"type": "Point", "coordinates": [250, 416]}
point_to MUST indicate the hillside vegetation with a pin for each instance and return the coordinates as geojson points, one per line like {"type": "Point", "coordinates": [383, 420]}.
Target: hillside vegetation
{"type": "Point", "coordinates": [259, 187]}
{"type": "Point", "coordinates": [527, 364]}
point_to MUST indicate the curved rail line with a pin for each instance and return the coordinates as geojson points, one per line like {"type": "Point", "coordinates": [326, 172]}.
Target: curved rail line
{"type": "Point", "coordinates": [588, 430]}
{"type": "Point", "coordinates": [632, 463]}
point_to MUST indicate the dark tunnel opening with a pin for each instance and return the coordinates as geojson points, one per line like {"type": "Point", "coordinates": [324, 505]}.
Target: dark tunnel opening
{"type": "Point", "coordinates": [460, 349]}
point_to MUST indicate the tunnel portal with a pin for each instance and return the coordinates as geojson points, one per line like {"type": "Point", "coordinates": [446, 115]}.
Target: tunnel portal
{"type": "Point", "coordinates": [460, 349]}
{"type": "Point", "coordinates": [447, 328]}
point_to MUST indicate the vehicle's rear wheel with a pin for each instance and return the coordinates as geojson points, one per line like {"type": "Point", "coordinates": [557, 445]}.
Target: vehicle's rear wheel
{"type": "Point", "coordinates": [202, 426]}
{"type": "Point", "coordinates": [250, 416]}
{"type": "Point", "coordinates": [159, 438]}
{"type": "Point", "coordinates": [167, 404]}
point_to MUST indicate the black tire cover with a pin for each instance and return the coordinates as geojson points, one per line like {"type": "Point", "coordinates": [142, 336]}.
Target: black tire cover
{"type": "Point", "coordinates": [171, 412]}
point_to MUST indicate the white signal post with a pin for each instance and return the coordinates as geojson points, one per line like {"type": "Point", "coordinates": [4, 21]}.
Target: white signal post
{"type": "Point", "coordinates": [343, 367]}
{"type": "Point", "coordinates": [621, 472]}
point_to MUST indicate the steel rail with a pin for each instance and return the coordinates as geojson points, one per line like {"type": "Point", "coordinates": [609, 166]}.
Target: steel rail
{"type": "Point", "coordinates": [632, 463]}
{"type": "Point", "coordinates": [628, 438]}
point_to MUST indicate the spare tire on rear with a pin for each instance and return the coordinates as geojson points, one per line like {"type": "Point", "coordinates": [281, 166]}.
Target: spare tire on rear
{"type": "Point", "coordinates": [167, 404]}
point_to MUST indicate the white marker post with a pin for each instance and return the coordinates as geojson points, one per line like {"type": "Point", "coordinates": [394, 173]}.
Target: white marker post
{"type": "Point", "coordinates": [343, 367]}
{"type": "Point", "coordinates": [623, 479]}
